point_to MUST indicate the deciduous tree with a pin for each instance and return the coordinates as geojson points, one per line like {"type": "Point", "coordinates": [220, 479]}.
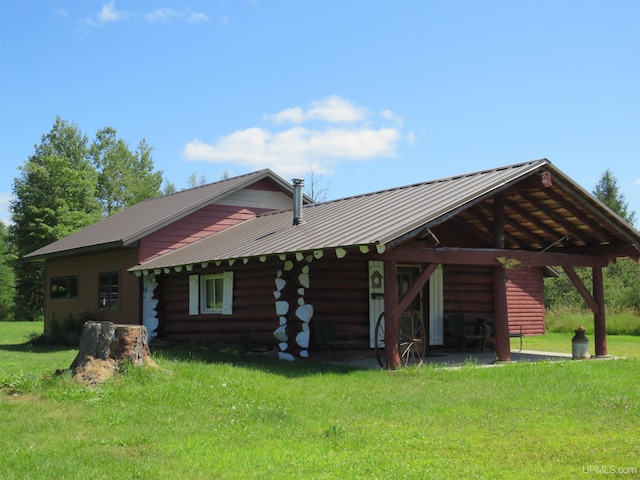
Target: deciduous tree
{"type": "Point", "coordinates": [7, 285]}
{"type": "Point", "coordinates": [54, 197]}
{"type": "Point", "coordinates": [124, 177]}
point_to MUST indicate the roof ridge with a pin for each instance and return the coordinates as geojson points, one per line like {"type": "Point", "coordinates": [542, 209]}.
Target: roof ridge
{"type": "Point", "coordinates": [236, 177]}
{"type": "Point", "coordinates": [427, 182]}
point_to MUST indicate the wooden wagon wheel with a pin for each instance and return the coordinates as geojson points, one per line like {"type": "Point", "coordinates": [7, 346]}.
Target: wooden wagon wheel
{"type": "Point", "coordinates": [412, 339]}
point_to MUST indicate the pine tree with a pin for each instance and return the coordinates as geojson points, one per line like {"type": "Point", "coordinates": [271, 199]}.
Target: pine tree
{"type": "Point", "coordinates": [607, 192]}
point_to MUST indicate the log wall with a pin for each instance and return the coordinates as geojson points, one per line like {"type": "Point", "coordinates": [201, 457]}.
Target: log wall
{"type": "Point", "coordinates": [469, 289]}
{"type": "Point", "coordinates": [338, 290]}
{"type": "Point", "coordinates": [525, 299]}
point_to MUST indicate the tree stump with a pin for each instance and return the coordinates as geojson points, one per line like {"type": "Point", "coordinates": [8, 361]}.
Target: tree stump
{"type": "Point", "coordinates": [104, 346]}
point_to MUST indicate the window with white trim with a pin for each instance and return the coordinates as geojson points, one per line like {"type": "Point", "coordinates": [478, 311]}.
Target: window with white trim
{"type": "Point", "coordinates": [211, 294]}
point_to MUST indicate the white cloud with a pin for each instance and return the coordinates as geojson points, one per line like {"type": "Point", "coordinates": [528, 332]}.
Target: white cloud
{"type": "Point", "coordinates": [297, 149]}
{"type": "Point", "coordinates": [392, 117]}
{"type": "Point", "coordinates": [166, 15]}
{"type": "Point", "coordinates": [161, 15]}
{"type": "Point", "coordinates": [195, 17]}
{"type": "Point", "coordinates": [334, 109]}
{"type": "Point", "coordinates": [61, 13]}
{"type": "Point", "coordinates": [110, 14]}
{"type": "Point", "coordinates": [289, 115]}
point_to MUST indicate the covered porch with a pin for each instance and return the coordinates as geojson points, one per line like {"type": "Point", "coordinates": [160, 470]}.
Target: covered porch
{"type": "Point", "coordinates": [540, 222]}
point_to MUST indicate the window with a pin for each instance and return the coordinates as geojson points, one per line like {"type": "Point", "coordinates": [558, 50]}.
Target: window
{"type": "Point", "coordinates": [211, 294]}
{"type": "Point", "coordinates": [109, 291]}
{"type": "Point", "coordinates": [64, 287]}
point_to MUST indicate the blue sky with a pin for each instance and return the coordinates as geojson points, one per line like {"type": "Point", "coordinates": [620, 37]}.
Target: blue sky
{"type": "Point", "coordinates": [369, 94]}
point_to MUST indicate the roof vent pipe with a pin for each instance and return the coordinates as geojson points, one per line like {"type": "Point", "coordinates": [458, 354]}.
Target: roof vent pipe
{"type": "Point", "coordinates": [298, 183]}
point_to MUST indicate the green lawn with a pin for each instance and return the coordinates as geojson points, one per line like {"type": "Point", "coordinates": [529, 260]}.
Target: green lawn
{"type": "Point", "coordinates": [205, 415]}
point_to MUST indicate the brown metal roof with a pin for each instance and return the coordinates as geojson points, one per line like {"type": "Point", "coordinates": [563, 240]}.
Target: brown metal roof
{"type": "Point", "coordinates": [130, 225]}
{"type": "Point", "coordinates": [391, 216]}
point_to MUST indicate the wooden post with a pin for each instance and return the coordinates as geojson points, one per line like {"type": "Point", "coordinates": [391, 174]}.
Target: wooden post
{"type": "Point", "coordinates": [595, 303]}
{"type": "Point", "coordinates": [391, 315]}
{"type": "Point", "coordinates": [501, 318]}
{"type": "Point", "coordinates": [599, 321]}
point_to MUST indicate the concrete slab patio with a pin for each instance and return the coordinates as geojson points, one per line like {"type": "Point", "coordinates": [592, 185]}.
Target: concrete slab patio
{"type": "Point", "coordinates": [446, 358]}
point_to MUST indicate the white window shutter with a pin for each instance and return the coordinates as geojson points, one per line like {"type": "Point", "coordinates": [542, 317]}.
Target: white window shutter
{"type": "Point", "coordinates": [194, 295]}
{"type": "Point", "coordinates": [227, 301]}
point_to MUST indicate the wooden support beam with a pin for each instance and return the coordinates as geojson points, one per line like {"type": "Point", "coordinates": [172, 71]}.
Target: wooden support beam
{"type": "Point", "coordinates": [599, 320]}
{"type": "Point", "coordinates": [391, 315]}
{"type": "Point", "coordinates": [415, 287]}
{"type": "Point", "coordinates": [488, 257]}
{"type": "Point", "coordinates": [501, 320]}
{"type": "Point", "coordinates": [582, 289]}
{"type": "Point", "coordinates": [498, 221]}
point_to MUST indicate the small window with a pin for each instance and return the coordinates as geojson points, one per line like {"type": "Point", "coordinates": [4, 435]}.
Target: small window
{"type": "Point", "coordinates": [109, 291]}
{"type": "Point", "coordinates": [64, 287]}
{"type": "Point", "coordinates": [211, 294]}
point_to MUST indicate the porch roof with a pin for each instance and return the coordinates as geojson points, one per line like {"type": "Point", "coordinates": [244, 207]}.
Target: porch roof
{"type": "Point", "coordinates": [537, 216]}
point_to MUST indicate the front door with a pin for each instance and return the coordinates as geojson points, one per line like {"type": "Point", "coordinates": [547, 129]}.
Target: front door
{"type": "Point", "coordinates": [406, 276]}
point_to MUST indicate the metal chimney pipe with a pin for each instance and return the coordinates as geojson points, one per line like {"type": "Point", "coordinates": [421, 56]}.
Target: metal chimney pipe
{"type": "Point", "coordinates": [298, 183]}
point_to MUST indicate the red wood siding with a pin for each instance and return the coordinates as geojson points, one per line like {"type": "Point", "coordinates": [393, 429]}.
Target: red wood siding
{"type": "Point", "coordinates": [87, 268]}
{"type": "Point", "coordinates": [209, 219]}
{"type": "Point", "coordinates": [469, 290]}
{"type": "Point", "coordinates": [525, 299]}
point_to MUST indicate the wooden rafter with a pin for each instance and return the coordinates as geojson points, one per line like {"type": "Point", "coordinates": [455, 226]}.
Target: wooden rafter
{"type": "Point", "coordinates": [535, 221]}
{"type": "Point", "coordinates": [566, 227]}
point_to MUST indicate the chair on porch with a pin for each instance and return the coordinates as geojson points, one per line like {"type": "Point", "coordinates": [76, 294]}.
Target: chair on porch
{"type": "Point", "coordinates": [324, 335]}
{"type": "Point", "coordinates": [458, 329]}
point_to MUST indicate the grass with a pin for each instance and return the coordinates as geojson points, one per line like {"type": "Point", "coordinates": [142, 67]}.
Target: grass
{"type": "Point", "coordinates": [625, 322]}
{"type": "Point", "coordinates": [208, 415]}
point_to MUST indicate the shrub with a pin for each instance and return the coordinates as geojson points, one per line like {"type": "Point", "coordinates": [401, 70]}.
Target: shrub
{"type": "Point", "coordinates": [64, 331]}
{"type": "Point", "coordinates": [566, 320]}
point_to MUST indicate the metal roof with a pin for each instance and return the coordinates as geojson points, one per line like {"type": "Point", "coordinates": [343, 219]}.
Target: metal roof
{"type": "Point", "coordinates": [392, 215]}
{"type": "Point", "coordinates": [127, 227]}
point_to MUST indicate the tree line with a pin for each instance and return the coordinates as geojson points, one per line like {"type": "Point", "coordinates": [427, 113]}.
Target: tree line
{"type": "Point", "coordinates": [67, 184]}
{"type": "Point", "coordinates": [70, 182]}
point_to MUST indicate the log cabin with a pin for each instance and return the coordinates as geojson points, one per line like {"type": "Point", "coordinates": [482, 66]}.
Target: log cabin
{"type": "Point", "coordinates": [252, 260]}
